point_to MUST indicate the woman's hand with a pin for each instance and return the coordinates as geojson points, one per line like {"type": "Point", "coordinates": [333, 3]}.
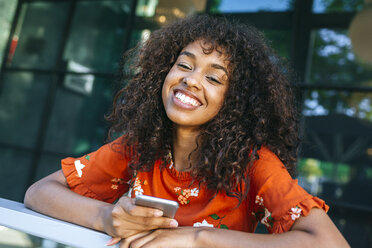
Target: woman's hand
{"type": "Point", "coordinates": [175, 237]}
{"type": "Point", "coordinates": [125, 219]}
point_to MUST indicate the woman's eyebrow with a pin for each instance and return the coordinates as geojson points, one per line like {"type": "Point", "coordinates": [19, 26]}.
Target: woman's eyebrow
{"type": "Point", "coordinates": [188, 54]}
{"type": "Point", "coordinates": [220, 67]}
{"type": "Point", "coordinates": [191, 55]}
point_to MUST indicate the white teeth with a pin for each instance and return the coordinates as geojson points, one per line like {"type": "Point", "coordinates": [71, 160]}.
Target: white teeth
{"type": "Point", "coordinates": [186, 99]}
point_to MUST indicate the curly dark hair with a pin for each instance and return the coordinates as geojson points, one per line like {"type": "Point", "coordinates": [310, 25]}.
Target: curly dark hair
{"type": "Point", "coordinates": [259, 107]}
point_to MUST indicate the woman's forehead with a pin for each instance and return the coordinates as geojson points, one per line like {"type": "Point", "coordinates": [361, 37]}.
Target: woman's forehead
{"type": "Point", "coordinates": [207, 47]}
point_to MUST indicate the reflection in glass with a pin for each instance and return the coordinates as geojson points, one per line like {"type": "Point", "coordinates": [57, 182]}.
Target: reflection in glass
{"type": "Point", "coordinates": [48, 164]}
{"type": "Point", "coordinates": [97, 35]}
{"type": "Point", "coordinates": [240, 6]}
{"type": "Point", "coordinates": [280, 41]}
{"type": "Point", "coordinates": [40, 29]}
{"type": "Point", "coordinates": [353, 104]}
{"type": "Point", "coordinates": [327, 6]}
{"type": "Point", "coordinates": [333, 61]}
{"type": "Point", "coordinates": [336, 157]}
{"type": "Point", "coordinates": [77, 123]}
{"type": "Point", "coordinates": [22, 100]}
{"type": "Point", "coordinates": [164, 11]}
{"type": "Point", "coordinates": [337, 149]}
{"type": "Point", "coordinates": [14, 171]}
{"type": "Point", "coordinates": [7, 8]}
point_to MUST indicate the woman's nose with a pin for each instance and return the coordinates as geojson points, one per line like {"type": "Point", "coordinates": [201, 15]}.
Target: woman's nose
{"type": "Point", "coordinates": [193, 80]}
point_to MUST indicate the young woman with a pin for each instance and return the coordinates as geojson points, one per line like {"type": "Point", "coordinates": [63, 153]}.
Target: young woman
{"type": "Point", "coordinates": [208, 119]}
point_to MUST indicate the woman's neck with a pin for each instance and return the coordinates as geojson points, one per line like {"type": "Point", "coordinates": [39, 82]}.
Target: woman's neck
{"type": "Point", "coordinates": [184, 142]}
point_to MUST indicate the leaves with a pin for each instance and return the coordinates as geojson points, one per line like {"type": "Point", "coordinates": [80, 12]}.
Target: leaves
{"type": "Point", "coordinates": [223, 226]}
{"type": "Point", "coordinates": [87, 157]}
{"type": "Point", "coordinates": [214, 216]}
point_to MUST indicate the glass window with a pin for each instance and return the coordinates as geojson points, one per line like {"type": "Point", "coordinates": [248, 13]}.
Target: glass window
{"type": "Point", "coordinates": [14, 171]}
{"type": "Point", "coordinates": [325, 102]}
{"type": "Point", "coordinates": [327, 6]}
{"type": "Point", "coordinates": [40, 29]}
{"type": "Point", "coordinates": [48, 164]}
{"type": "Point", "coordinates": [77, 123]}
{"type": "Point", "coordinates": [164, 11]}
{"type": "Point", "coordinates": [230, 6]}
{"type": "Point", "coordinates": [336, 158]}
{"type": "Point", "coordinates": [333, 60]}
{"type": "Point", "coordinates": [336, 153]}
{"type": "Point", "coordinates": [7, 8]}
{"type": "Point", "coordinates": [22, 102]}
{"type": "Point", "coordinates": [280, 40]}
{"type": "Point", "coordinates": [97, 36]}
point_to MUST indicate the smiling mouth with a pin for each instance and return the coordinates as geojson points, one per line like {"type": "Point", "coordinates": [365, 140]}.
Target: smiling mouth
{"type": "Point", "coordinates": [186, 99]}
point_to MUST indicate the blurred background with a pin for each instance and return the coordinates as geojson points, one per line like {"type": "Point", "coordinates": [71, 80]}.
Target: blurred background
{"type": "Point", "coordinates": [59, 60]}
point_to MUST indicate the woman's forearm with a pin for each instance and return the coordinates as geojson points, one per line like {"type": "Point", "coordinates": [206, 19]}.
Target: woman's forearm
{"type": "Point", "coordinates": [51, 196]}
{"type": "Point", "coordinates": [219, 238]}
{"type": "Point", "coordinates": [314, 230]}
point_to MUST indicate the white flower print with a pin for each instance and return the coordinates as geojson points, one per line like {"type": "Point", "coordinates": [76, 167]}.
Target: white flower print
{"type": "Point", "coordinates": [138, 191]}
{"type": "Point", "coordinates": [79, 166]}
{"type": "Point", "coordinates": [203, 223]}
{"type": "Point", "coordinates": [137, 187]}
{"type": "Point", "coordinates": [265, 220]}
{"type": "Point", "coordinates": [295, 213]}
{"type": "Point", "coordinates": [259, 200]}
{"type": "Point", "coordinates": [194, 192]}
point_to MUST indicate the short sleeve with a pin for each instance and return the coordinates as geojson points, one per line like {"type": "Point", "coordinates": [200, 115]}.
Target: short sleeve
{"type": "Point", "coordinates": [277, 199]}
{"type": "Point", "coordinates": [103, 175]}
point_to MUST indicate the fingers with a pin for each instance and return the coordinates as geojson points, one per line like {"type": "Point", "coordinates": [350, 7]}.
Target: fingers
{"type": "Point", "coordinates": [126, 219]}
{"type": "Point", "coordinates": [113, 241]}
{"type": "Point", "coordinates": [126, 243]}
{"type": "Point", "coordinates": [132, 209]}
{"type": "Point", "coordinates": [140, 241]}
{"type": "Point", "coordinates": [148, 218]}
{"type": "Point", "coordinates": [150, 223]}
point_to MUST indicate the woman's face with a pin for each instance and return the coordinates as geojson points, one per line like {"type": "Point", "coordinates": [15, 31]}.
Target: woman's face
{"type": "Point", "coordinates": [195, 87]}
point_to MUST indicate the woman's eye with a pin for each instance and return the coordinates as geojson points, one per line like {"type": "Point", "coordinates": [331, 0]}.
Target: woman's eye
{"type": "Point", "coordinates": [215, 80]}
{"type": "Point", "coordinates": [185, 66]}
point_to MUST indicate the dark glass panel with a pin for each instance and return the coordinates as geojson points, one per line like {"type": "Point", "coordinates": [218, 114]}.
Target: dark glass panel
{"type": "Point", "coordinates": [77, 123]}
{"type": "Point", "coordinates": [48, 164]}
{"type": "Point", "coordinates": [334, 62]}
{"type": "Point", "coordinates": [280, 40]}
{"type": "Point", "coordinates": [336, 158]}
{"type": "Point", "coordinates": [7, 9]}
{"type": "Point", "coordinates": [97, 36]}
{"type": "Point", "coordinates": [22, 101]}
{"type": "Point", "coordinates": [40, 31]}
{"type": "Point", "coordinates": [14, 171]}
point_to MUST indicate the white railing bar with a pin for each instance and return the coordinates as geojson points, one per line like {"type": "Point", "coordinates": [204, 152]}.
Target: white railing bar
{"type": "Point", "coordinates": [16, 216]}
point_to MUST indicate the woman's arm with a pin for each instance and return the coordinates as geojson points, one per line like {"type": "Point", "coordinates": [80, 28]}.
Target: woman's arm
{"type": "Point", "coordinates": [52, 196]}
{"type": "Point", "coordinates": [314, 230]}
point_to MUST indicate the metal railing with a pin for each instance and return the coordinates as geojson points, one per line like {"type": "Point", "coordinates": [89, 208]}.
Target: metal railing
{"type": "Point", "coordinates": [16, 216]}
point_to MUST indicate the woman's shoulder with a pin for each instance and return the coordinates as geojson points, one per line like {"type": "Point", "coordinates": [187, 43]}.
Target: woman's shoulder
{"type": "Point", "coordinates": [267, 156]}
{"type": "Point", "coordinates": [267, 165]}
{"type": "Point", "coordinates": [117, 148]}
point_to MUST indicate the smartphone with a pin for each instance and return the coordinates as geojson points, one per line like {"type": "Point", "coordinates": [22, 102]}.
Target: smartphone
{"type": "Point", "coordinates": [168, 207]}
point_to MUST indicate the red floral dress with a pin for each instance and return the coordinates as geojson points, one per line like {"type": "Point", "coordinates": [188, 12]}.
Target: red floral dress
{"type": "Point", "coordinates": [274, 199]}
